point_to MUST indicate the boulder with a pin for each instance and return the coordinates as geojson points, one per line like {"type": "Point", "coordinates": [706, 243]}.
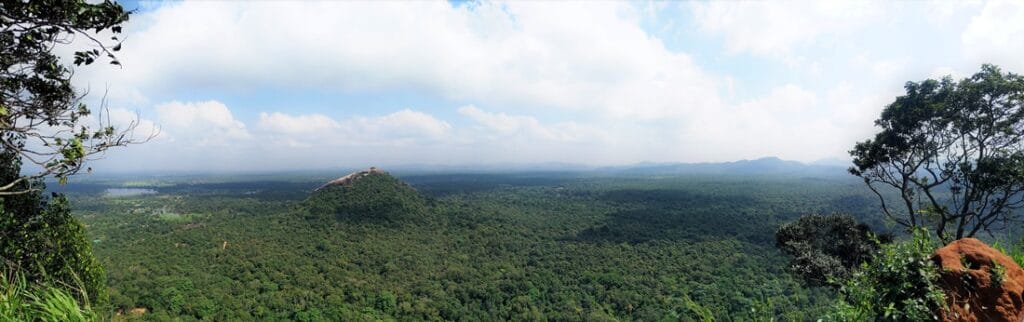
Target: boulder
{"type": "Point", "coordinates": [349, 178]}
{"type": "Point", "coordinates": [980, 283]}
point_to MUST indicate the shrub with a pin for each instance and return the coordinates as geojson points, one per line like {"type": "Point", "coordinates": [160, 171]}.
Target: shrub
{"type": "Point", "coordinates": [898, 284]}
{"type": "Point", "coordinates": [40, 239]}
{"type": "Point", "coordinates": [827, 248]}
{"type": "Point", "coordinates": [1015, 250]}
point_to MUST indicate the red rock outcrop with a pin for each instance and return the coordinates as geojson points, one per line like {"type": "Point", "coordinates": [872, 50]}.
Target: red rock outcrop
{"type": "Point", "coordinates": [980, 283]}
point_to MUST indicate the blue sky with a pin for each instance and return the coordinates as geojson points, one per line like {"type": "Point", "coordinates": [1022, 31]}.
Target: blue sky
{"type": "Point", "coordinates": [308, 85]}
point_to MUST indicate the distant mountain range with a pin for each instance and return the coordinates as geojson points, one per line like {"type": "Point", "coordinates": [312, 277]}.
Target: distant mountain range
{"type": "Point", "coordinates": [764, 166]}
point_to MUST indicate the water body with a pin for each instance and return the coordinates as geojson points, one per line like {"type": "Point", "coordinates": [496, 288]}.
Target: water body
{"type": "Point", "coordinates": [128, 192]}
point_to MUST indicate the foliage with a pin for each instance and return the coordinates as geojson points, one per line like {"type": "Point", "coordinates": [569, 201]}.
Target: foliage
{"type": "Point", "coordinates": [42, 122]}
{"type": "Point", "coordinates": [40, 238]}
{"type": "Point", "coordinates": [998, 274]}
{"type": "Point", "coordinates": [373, 197]}
{"type": "Point", "coordinates": [951, 152]}
{"type": "Point", "coordinates": [21, 300]}
{"type": "Point", "coordinates": [703, 313]}
{"type": "Point", "coordinates": [42, 118]}
{"type": "Point", "coordinates": [485, 247]}
{"type": "Point", "coordinates": [899, 284]}
{"type": "Point", "coordinates": [827, 248]}
{"type": "Point", "coordinates": [1015, 250]}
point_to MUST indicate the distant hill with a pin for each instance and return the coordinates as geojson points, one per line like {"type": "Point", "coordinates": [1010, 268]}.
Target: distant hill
{"type": "Point", "coordinates": [766, 166]}
{"type": "Point", "coordinates": [372, 195]}
{"type": "Point", "coordinates": [762, 166]}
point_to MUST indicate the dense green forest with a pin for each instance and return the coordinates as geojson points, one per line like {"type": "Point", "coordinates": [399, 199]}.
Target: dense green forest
{"type": "Point", "coordinates": [526, 246]}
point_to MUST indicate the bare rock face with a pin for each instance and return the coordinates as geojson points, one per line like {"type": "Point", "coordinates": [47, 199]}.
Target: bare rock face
{"type": "Point", "coordinates": [980, 283]}
{"type": "Point", "coordinates": [349, 178]}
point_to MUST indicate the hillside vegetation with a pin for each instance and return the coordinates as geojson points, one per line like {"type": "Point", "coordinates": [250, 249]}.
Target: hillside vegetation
{"type": "Point", "coordinates": [373, 197]}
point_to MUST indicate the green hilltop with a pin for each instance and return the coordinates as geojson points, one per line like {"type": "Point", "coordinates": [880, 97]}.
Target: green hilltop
{"type": "Point", "coordinates": [369, 195]}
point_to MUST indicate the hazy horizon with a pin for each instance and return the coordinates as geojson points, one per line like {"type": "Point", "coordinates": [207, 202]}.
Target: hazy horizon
{"type": "Point", "coordinates": [497, 167]}
{"type": "Point", "coordinates": [278, 86]}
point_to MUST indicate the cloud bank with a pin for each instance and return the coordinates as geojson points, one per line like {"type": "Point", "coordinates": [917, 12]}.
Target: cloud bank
{"type": "Point", "coordinates": [283, 85]}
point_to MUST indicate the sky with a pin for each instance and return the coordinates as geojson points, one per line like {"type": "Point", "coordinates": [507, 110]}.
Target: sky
{"type": "Point", "coordinates": [294, 85]}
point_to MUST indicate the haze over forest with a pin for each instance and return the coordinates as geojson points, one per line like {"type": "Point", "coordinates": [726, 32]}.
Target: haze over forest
{"type": "Point", "coordinates": [254, 86]}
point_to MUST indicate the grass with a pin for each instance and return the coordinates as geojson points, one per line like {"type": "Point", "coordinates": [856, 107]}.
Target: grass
{"type": "Point", "coordinates": [1015, 250]}
{"type": "Point", "coordinates": [21, 300]}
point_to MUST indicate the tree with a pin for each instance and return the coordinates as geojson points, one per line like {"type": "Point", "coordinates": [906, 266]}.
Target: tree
{"type": "Point", "coordinates": [42, 117]}
{"type": "Point", "coordinates": [42, 241]}
{"type": "Point", "coordinates": [827, 248]}
{"type": "Point", "coordinates": [42, 122]}
{"type": "Point", "coordinates": [950, 155]}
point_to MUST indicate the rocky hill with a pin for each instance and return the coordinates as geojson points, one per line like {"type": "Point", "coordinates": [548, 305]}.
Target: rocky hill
{"type": "Point", "coordinates": [350, 178]}
{"type": "Point", "coordinates": [370, 194]}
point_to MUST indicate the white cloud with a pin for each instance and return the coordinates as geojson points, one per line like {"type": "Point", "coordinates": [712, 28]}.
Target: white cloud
{"type": "Point", "coordinates": [206, 136]}
{"type": "Point", "coordinates": [888, 69]}
{"type": "Point", "coordinates": [503, 126]}
{"type": "Point", "coordinates": [996, 35]}
{"type": "Point", "coordinates": [776, 28]}
{"type": "Point", "coordinates": [206, 123]}
{"type": "Point", "coordinates": [507, 54]}
{"type": "Point", "coordinates": [940, 72]}
{"type": "Point", "coordinates": [399, 128]}
{"type": "Point", "coordinates": [942, 11]}
{"type": "Point", "coordinates": [278, 122]}
{"type": "Point", "coordinates": [403, 125]}
{"type": "Point", "coordinates": [122, 118]}
{"type": "Point", "coordinates": [589, 59]}
{"type": "Point", "coordinates": [791, 121]}
{"type": "Point", "coordinates": [769, 125]}
{"type": "Point", "coordinates": [557, 81]}
{"type": "Point", "coordinates": [789, 98]}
